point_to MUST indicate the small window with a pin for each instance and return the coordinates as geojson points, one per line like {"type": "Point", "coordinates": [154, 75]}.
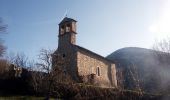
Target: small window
{"type": "Point", "coordinates": [68, 28]}
{"type": "Point", "coordinates": [64, 55]}
{"type": "Point", "coordinates": [64, 72]}
{"type": "Point", "coordinates": [62, 29]}
{"type": "Point", "coordinates": [98, 71]}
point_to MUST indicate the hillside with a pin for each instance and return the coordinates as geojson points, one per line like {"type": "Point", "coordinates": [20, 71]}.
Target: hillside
{"type": "Point", "coordinates": [140, 68]}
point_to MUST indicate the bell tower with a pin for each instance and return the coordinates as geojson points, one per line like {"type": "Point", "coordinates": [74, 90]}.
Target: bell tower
{"type": "Point", "coordinates": [67, 32]}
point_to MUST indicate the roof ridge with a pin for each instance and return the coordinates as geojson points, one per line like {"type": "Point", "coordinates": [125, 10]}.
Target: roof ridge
{"type": "Point", "coordinates": [66, 19]}
{"type": "Point", "coordinates": [94, 53]}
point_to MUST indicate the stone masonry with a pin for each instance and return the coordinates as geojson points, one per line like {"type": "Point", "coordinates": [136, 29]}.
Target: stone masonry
{"type": "Point", "coordinates": [81, 64]}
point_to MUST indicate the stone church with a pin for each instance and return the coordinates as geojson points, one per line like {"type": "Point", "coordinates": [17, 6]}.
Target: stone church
{"type": "Point", "coordinates": [83, 65]}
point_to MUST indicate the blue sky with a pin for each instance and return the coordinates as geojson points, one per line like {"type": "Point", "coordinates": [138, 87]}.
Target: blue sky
{"type": "Point", "coordinates": [103, 25]}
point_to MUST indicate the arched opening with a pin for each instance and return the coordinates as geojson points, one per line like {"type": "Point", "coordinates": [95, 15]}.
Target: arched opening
{"type": "Point", "coordinates": [62, 29]}
{"type": "Point", "coordinates": [68, 28]}
{"type": "Point", "coordinates": [64, 55]}
{"type": "Point", "coordinates": [98, 71]}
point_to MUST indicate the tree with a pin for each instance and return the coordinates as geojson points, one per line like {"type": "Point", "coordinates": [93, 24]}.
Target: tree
{"type": "Point", "coordinates": [2, 26]}
{"type": "Point", "coordinates": [134, 74]}
{"type": "Point", "coordinates": [162, 55]}
{"type": "Point", "coordinates": [46, 75]}
{"type": "Point", "coordinates": [45, 65]}
{"type": "Point", "coordinates": [162, 51]}
{"type": "Point", "coordinates": [19, 63]}
{"type": "Point", "coordinates": [19, 59]}
{"type": "Point", "coordinates": [4, 69]}
{"type": "Point", "coordinates": [2, 30]}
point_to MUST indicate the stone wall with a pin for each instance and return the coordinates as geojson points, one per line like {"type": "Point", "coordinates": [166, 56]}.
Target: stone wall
{"type": "Point", "coordinates": [65, 59]}
{"type": "Point", "coordinates": [66, 39]}
{"type": "Point", "coordinates": [113, 75]}
{"type": "Point", "coordinates": [102, 72]}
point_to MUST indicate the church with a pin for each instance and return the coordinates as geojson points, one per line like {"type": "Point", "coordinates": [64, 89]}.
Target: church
{"type": "Point", "coordinates": [82, 65]}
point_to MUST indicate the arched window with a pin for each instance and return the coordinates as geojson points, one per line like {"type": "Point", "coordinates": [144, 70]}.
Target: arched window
{"type": "Point", "coordinates": [67, 28]}
{"type": "Point", "coordinates": [98, 71]}
{"type": "Point", "coordinates": [62, 29]}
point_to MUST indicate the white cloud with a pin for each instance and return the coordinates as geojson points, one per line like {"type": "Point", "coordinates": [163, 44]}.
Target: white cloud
{"type": "Point", "coordinates": [161, 27]}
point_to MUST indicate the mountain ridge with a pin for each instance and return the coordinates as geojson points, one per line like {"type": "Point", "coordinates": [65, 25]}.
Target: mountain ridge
{"type": "Point", "coordinates": [142, 64]}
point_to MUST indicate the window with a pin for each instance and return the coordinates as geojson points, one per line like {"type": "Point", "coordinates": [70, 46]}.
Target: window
{"type": "Point", "coordinates": [62, 30]}
{"type": "Point", "coordinates": [64, 55]}
{"type": "Point", "coordinates": [68, 28]}
{"type": "Point", "coordinates": [64, 72]}
{"type": "Point", "coordinates": [98, 71]}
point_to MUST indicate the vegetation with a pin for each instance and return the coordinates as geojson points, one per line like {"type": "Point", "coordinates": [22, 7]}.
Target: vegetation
{"type": "Point", "coordinates": [162, 54]}
{"type": "Point", "coordinates": [23, 98]}
{"type": "Point", "coordinates": [46, 76]}
{"type": "Point", "coordinates": [21, 79]}
{"type": "Point", "coordinates": [2, 30]}
{"type": "Point", "coordinates": [47, 82]}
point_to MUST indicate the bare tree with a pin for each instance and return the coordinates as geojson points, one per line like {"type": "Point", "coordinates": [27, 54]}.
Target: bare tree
{"type": "Point", "coordinates": [46, 76]}
{"type": "Point", "coordinates": [162, 51]}
{"type": "Point", "coordinates": [2, 30]}
{"type": "Point", "coordinates": [162, 55]}
{"type": "Point", "coordinates": [18, 62]}
{"type": "Point", "coordinates": [134, 74]}
{"type": "Point", "coordinates": [2, 26]}
{"type": "Point", "coordinates": [19, 59]}
{"type": "Point", "coordinates": [37, 79]}
{"type": "Point", "coordinates": [45, 65]}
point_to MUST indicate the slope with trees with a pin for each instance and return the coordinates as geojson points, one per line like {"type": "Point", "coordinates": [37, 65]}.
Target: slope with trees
{"type": "Point", "coordinates": [140, 69]}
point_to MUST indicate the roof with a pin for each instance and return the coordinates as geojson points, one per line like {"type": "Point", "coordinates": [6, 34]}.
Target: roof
{"type": "Point", "coordinates": [92, 53]}
{"type": "Point", "coordinates": [66, 19]}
